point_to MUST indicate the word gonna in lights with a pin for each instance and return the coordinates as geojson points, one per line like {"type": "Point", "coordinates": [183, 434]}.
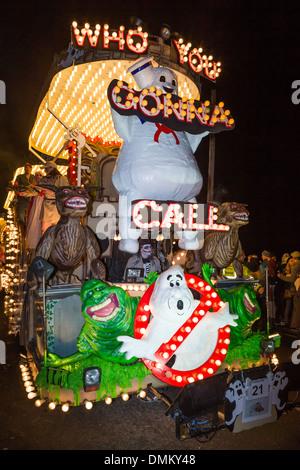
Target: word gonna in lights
{"type": "Point", "coordinates": [136, 40]}
{"type": "Point", "coordinates": [150, 103]}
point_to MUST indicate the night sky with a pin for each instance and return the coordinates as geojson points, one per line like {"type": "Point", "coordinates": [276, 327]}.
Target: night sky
{"type": "Point", "coordinates": [258, 44]}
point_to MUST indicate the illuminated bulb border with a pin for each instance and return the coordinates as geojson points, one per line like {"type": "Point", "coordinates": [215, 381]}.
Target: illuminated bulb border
{"type": "Point", "coordinates": [158, 367]}
{"type": "Point", "coordinates": [79, 95]}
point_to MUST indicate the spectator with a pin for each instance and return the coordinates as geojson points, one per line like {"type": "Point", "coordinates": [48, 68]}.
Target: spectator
{"type": "Point", "coordinates": [268, 267]}
{"type": "Point", "coordinates": [250, 258]}
{"type": "Point", "coordinates": [253, 268]}
{"type": "Point", "coordinates": [282, 288]}
{"type": "Point", "coordinates": [33, 224]}
{"type": "Point", "coordinates": [238, 269]}
{"type": "Point", "coordinates": [49, 214]}
{"type": "Point", "coordinates": [144, 259]}
{"type": "Point", "coordinates": [295, 323]}
{"type": "Point", "coordinates": [290, 278]}
{"type": "Point", "coordinates": [25, 181]}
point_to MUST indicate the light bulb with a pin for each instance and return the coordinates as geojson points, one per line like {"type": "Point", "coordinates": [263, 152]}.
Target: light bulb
{"type": "Point", "coordinates": [65, 407]}
{"type": "Point", "coordinates": [38, 402]}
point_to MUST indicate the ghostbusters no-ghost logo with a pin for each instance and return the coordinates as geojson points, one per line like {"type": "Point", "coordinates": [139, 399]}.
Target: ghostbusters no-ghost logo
{"type": "Point", "coordinates": [186, 339]}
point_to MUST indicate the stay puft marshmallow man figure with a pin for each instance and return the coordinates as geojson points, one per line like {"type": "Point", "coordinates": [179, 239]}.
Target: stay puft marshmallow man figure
{"type": "Point", "coordinates": [155, 162]}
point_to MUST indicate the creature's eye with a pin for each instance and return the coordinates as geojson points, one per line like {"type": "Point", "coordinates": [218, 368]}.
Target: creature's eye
{"type": "Point", "coordinates": [66, 191]}
{"type": "Point", "coordinates": [173, 83]}
{"type": "Point", "coordinates": [162, 78]}
{"type": "Point", "coordinates": [89, 294]}
{"type": "Point", "coordinates": [81, 191]}
{"type": "Point", "coordinates": [233, 207]}
{"type": "Point", "coordinates": [177, 283]}
{"type": "Point", "coordinates": [171, 284]}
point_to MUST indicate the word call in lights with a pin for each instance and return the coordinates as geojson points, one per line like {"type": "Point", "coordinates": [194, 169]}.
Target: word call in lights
{"type": "Point", "coordinates": [184, 215]}
{"type": "Point", "coordinates": [136, 40]}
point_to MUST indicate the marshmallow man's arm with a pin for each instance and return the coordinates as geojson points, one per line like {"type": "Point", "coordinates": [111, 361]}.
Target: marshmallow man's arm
{"type": "Point", "coordinates": [122, 124]}
{"type": "Point", "coordinates": [195, 139]}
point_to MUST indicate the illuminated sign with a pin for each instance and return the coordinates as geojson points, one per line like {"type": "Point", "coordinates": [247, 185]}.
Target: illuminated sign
{"type": "Point", "coordinates": [179, 114]}
{"type": "Point", "coordinates": [134, 40]}
{"type": "Point", "coordinates": [160, 369]}
{"type": "Point", "coordinates": [137, 41]}
{"type": "Point", "coordinates": [162, 215]}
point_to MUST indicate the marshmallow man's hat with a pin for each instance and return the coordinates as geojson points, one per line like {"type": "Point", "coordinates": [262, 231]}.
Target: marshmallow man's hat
{"type": "Point", "coordinates": [142, 72]}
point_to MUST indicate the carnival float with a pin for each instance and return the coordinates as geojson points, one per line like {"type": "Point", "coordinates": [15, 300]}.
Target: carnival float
{"type": "Point", "coordinates": [122, 118]}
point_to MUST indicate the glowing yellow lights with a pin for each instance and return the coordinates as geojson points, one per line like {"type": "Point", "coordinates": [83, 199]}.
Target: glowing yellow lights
{"type": "Point", "coordinates": [38, 402]}
{"type": "Point", "coordinates": [78, 95]}
{"type": "Point", "coordinates": [125, 396]}
{"type": "Point", "coordinates": [65, 407]}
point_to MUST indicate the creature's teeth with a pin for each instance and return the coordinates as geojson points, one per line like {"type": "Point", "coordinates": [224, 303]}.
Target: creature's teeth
{"type": "Point", "coordinates": [249, 300]}
{"type": "Point", "coordinates": [102, 305]}
{"type": "Point", "coordinates": [109, 317]}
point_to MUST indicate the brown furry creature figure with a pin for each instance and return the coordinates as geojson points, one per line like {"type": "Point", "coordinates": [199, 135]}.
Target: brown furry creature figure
{"type": "Point", "coordinates": [220, 249]}
{"type": "Point", "coordinates": [68, 243]}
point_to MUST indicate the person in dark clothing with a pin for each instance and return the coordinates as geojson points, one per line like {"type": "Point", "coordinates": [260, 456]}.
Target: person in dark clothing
{"type": "Point", "coordinates": [144, 259]}
{"type": "Point", "coordinates": [25, 180]}
{"type": "Point", "coordinates": [282, 288]}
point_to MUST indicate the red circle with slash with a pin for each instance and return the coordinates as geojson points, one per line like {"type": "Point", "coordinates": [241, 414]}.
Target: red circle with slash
{"type": "Point", "coordinates": [210, 300]}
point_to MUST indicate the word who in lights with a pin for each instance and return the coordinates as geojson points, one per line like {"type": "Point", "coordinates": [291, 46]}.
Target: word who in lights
{"type": "Point", "coordinates": [135, 40]}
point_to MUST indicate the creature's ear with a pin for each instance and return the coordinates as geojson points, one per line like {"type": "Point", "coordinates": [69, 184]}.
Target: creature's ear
{"type": "Point", "coordinates": [214, 203]}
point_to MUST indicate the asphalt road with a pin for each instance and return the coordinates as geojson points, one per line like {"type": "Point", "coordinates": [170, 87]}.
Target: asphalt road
{"type": "Point", "coordinates": [132, 428]}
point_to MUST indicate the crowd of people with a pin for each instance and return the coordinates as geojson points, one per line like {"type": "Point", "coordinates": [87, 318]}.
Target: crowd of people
{"type": "Point", "coordinates": [280, 282]}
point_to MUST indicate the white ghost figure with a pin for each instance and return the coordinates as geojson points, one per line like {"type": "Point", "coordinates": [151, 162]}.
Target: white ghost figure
{"type": "Point", "coordinates": [235, 393]}
{"type": "Point", "coordinates": [171, 304]}
{"type": "Point", "coordinates": [154, 162]}
{"type": "Point", "coordinates": [279, 383]}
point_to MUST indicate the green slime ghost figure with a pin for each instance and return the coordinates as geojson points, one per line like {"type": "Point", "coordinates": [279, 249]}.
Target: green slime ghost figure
{"type": "Point", "coordinates": [242, 302]}
{"type": "Point", "coordinates": [108, 312]}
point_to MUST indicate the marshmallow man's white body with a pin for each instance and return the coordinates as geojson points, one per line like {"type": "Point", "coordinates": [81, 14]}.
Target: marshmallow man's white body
{"type": "Point", "coordinates": [171, 304]}
{"type": "Point", "coordinates": [154, 163]}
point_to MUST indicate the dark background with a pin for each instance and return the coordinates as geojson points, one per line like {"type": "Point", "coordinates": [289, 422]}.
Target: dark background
{"type": "Point", "coordinates": [258, 45]}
